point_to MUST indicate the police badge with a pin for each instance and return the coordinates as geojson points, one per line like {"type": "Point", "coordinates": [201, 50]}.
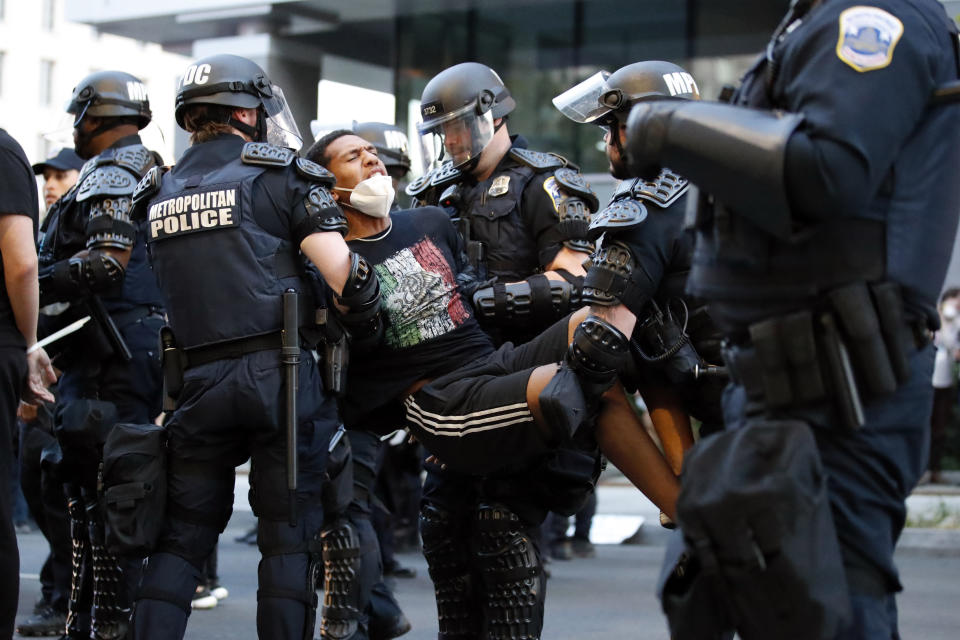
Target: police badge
{"type": "Point", "coordinates": [868, 36]}
{"type": "Point", "coordinates": [500, 186]}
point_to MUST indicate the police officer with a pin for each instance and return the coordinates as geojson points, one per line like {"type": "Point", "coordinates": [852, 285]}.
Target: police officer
{"type": "Point", "coordinates": [523, 215]}
{"type": "Point", "coordinates": [92, 258]}
{"type": "Point", "coordinates": [392, 146]}
{"type": "Point", "coordinates": [827, 218]}
{"type": "Point", "coordinates": [225, 228]}
{"type": "Point", "coordinates": [643, 226]}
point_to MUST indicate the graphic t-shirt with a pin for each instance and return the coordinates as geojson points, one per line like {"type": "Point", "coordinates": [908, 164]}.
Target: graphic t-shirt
{"type": "Point", "coordinates": [430, 327]}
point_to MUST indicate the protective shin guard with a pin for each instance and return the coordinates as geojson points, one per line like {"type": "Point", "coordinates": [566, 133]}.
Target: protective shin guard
{"type": "Point", "coordinates": [78, 614]}
{"type": "Point", "coordinates": [110, 610]}
{"type": "Point", "coordinates": [512, 574]}
{"type": "Point", "coordinates": [340, 616]}
{"type": "Point", "coordinates": [448, 561]}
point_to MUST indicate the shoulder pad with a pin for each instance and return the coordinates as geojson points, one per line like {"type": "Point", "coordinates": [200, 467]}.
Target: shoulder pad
{"type": "Point", "coordinates": [85, 170]}
{"type": "Point", "coordinates": [266, 155]}
{"type": "Point", "coordinates": [135, 158]}
{"type": "Point", "coordinates": [148, 185]}
{"type": "Point", "coordinates": [574, 182]}
{"type": "Point", "coordinates": [445, 174]}
{"type": "Point", "coordinates": [441, 176]}
{"type": "Point", "coordinates": [106, 180]}
{"type": "Point", "coordinates": [537, 160]}
{"type": "Point", "coordinates": [314, 172]}
{"type": "Point", "coordinates": [618, 215]}
{"type": "Point", "coordinates": [624, 189]}
{"type": "Point", "coordinates": [664, 190]}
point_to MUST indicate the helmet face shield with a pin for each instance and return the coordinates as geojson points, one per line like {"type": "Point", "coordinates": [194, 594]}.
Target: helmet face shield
{"type": "Point", "coordinates": [460, 136]}
{"type": "Point", "coordinates": [587, 101]}
{"type": "Point", "coordinates": [282, 129]}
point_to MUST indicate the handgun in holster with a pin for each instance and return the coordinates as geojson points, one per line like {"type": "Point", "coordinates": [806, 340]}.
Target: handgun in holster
{"type": "Point", "coordinates": [476, 251]}
{"type": "Point", "coordinates": [172, 363]}
{"type": "Point", "coordinates": [336, 352]}
{"type": "Point", "coordinates": [662, 341]}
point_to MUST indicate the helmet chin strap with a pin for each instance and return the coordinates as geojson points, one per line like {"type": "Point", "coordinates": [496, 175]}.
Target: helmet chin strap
{"type": "Point", "coordinates": [257, 133]}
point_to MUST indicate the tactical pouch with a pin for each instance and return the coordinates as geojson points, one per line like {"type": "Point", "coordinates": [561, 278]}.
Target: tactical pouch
{"type": "Point", "coordinates": [761, 548]}
{"type": "Point", "coordinates": [564, 480]}
{"type": "Point", "coordinates": [337, 491]}
{"type": "Point", "coordinates": [134, 487]}
{"type": "Point", "coordinates": [858, 320]}
{"type": "Point", "coordinates": [889, 304]}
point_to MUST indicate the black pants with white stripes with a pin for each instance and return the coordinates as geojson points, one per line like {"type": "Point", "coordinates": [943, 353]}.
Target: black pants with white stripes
{"type": "Point", "coordinates": [476, 419]}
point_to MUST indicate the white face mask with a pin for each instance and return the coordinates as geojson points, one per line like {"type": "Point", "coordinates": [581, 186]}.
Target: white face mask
{"type": "Point", "coordinates": [373, 196]}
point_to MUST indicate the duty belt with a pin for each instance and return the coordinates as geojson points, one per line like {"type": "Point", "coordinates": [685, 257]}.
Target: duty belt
{"type": "Point", "coordinates": [809, 357]}
{"type": "Point", "coordinates": [197, 356]}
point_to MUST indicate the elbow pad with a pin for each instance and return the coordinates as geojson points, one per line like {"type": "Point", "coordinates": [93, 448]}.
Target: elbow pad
{"type": "Point", "coordinates": [361, 296]}
{"type": "Point", "coordinates": [615, 278]}
{"type": "Point", "coordinates": [534, 301]}
{"type": "Point", "coordinates": [73, 278]}
{"type": "Point", "coordinates": [323, 214]}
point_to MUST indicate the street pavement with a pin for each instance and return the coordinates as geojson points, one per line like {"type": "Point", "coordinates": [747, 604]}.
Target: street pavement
{"type": "Point", "coordinates": [609, 596]}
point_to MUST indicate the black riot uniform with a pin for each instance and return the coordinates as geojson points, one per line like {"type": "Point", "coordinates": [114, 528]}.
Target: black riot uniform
{"type": "Point", "coordinates": [111, 371]}
{"type": "Point", "coordinates": [826, 224]}
{"type": "Point", "coordinates": [514, 223]}
{"type": "Point", "coordinates": [224, 228]}
{"type": "Point", "coordinates": [644, 249]}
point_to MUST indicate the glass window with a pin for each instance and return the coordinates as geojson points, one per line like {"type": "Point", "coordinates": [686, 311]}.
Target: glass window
{"type": "Point", "coordinates": [3, 56]}
{"type": "Point", "coordinates": [46, 82]}
{"type": "Point", "coordinates": [48, 14]}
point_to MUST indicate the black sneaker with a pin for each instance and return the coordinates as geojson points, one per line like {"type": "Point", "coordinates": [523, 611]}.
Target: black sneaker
{"type": "Point", "coordinates": [46, 622]}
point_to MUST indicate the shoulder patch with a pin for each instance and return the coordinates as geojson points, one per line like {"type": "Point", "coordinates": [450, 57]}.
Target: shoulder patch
{"type": "Point", "coordinates": [574, 182]}
{"type": "Point", "coordinates": [537, 160]}
{"type": "Point", "coordinates": [106, 180]}
{"type": "Point", "coordinates": [618, 215]}
{"type": "Point", "coordinates": [663, 190]}
{"type": "Point", "coordinates": [867, 38]}
{"type": "Point", "coordinates": [314, 172]}
{"type": "Point", "coordinates": [267, 155]}
{"type": "Point", "coordinates": [552, 187]}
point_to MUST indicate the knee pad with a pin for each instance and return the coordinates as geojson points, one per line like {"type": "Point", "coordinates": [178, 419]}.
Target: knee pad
{"type": "Point", "coordinates": [597, 352]}
{"type": "Point", "coordinates": [448, 561]}
{"type": "Point", "coordinates": [512, 574]}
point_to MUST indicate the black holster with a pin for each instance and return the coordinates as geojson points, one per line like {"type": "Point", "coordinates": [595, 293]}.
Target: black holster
{"type": "Point", "coordinates": [172, 362]}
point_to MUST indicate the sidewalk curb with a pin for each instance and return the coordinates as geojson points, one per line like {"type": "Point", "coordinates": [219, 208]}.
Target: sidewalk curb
{"type": "Point", "coordinates": [934, 542]}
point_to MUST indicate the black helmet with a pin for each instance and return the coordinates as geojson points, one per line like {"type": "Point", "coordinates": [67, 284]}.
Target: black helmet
{"type": "Point", "coordinates": [110, 94]}
{"type": "Point", "coordinates": [605, 95]}
{"type": "Point", "coordinates": [471, 94]}
{"type": "Point", "coordinates": [390, 141]}
{"type": "Point", "coordinates": [234, 81]}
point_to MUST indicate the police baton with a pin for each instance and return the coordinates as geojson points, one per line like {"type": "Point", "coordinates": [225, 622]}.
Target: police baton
{"type": "Point", "coordinates": [290, 356]}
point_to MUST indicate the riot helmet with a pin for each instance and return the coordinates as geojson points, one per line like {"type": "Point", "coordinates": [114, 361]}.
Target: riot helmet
{"type": "Point", "coordinates": [458, 108]}
{"type": "Point", "coordinates": [110, 94]}
{"type": "Point", "coordinates": [390, 142]}
{"type": "Point", "coordinates": [605, 97]}
{"type": "Point", "coordinates": [233, 81]}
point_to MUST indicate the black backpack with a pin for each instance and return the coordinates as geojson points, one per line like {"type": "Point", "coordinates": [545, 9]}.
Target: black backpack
{"type": "Point", "coordinates": [760, 553]}
{"type": "Point", "coordinates": [134, 485]}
